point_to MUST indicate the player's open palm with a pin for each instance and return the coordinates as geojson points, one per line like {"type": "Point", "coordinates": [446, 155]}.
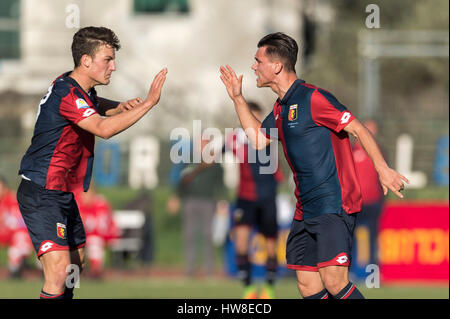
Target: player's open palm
{"type": "Point", "coordinates": [232, 83]}
{"type": "Point", "coordinates": [155, 89]}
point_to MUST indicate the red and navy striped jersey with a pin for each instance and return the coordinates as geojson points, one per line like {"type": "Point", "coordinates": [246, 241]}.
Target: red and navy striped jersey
{"type": "Point", "coordinates": [61, 153]}
{"type": "Point", "coordinates": [309, 123]}
{"type": "Point", "coordinates": [254, 183]}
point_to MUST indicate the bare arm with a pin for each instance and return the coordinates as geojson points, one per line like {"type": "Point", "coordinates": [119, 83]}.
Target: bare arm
{"type": "Point", "coordinates": [249, 122]}
{"type": "Point", "coordinates": [389, 178]}
{"type": "Point", "coordinates": [112, 125]}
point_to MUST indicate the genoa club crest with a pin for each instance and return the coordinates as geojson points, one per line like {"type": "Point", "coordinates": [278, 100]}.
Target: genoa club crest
{"type": "Point", "coordinates": [61, 230]}
{"type": "Point", "coordinates": [292, 113]}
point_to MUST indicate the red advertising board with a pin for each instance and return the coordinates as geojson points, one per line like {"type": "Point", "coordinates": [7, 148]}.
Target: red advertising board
{"type": "Point", "coordinates": [413, 242]}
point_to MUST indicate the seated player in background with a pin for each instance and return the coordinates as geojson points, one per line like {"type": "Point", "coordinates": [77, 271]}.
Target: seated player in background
{"type": "Point", "coordinates": [13, 232]}
{"type": "Point", "coordinates": [255, 206]}
{"type": "Point", "coordinates": [100, 228]}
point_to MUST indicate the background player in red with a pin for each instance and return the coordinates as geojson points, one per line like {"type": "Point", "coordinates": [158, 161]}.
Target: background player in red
{"type": "Point", "coordinates": [60, 158]}
{"type": "Point", "coordinates": [255, 206]}
{"type": "Point", "coordinates": [371, 192]}
{"type": "Point", "coordinates": [13, 232]}
{"type": "Point", "coordinates": [313, 128]}
{"type": "Point", "coordinates": [98, 220]}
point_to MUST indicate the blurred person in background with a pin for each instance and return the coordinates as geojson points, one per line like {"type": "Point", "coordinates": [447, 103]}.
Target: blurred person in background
{"type": "Point", "coordinates": [13, 232]}
{"type": "Point", "coordinates": [371, 192]}
{"type": "Point", "coordinates": [313, 128]}
{"type": "Point", "coordinates": [144, 202]}
{"type": "Point", "coordinates": [255, 206]}
{"type": "Point", "coordinates": [200, 188]}
{"type": "Point", "coordinates": [60, 158]}
{"type": "Point", "coordinates": [100, 228]}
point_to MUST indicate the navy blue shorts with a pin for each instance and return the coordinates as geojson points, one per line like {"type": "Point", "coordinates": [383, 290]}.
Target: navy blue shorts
{"type": "Point", "coordinates": [52, 218]}
{"type": "Point", "coordinates": [262, 214]}
{"type": "Point", "coordinates": [321, 241]}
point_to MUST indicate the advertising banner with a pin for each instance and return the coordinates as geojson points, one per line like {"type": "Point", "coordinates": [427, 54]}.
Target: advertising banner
{"type": "Point", "coordinates": [413, 242]}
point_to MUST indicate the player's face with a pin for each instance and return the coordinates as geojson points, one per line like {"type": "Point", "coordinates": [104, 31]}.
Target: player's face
{"type": "Point", "coordinates": [264, 68]}
{"type": "Point", "coordinates": [103, 64]}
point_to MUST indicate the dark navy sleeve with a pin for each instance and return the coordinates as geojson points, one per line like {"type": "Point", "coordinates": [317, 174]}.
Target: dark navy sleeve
{"type": "Point", "coordinates": [269, 128]}
{"type": "Point", "coordinates": [327, 111]}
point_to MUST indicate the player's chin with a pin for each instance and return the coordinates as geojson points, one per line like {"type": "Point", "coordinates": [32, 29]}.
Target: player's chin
{"type": "Point", "coordinates": [258, 83]}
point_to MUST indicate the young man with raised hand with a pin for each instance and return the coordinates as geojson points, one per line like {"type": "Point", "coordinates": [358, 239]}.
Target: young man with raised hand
{"type": "Point", "coordinates": [314, 129]}
{"type": "Point", "coordinates": [60, 158]}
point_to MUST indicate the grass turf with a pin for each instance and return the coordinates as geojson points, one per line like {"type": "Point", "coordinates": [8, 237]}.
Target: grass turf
{"type": "Point", "coordinates": [157, 288]}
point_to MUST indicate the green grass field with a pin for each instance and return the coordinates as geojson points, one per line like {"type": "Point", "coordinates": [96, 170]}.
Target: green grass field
{"type": "Point", "coordinates": [168, 254]}
{"type": "Point", "coordinates": [158, 288]}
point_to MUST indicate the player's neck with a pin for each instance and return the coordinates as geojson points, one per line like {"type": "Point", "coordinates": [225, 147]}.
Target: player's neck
{"type": "Point", "coordinates": [83, 80]}
{"type": "Point", "coordinates": [283, 83]}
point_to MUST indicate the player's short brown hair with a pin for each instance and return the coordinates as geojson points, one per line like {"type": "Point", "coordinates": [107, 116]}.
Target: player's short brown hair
{"type": "Point", "coordinates": [281, 46]}
{"type": "Point", "coordinates": [88, 39]}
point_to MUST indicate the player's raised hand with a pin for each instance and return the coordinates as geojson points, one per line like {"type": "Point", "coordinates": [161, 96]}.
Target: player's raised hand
{"type": "Point", "coordinates": [391, 179]}
{"type": "Point", "coordinates": [155, 89]}
{"type": "Point", "coordinates": [232, 83]}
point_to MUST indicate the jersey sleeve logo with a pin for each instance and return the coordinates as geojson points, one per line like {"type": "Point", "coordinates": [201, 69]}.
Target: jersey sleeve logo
{"type": "Point", "coordinates": [81, 104]}
{"type": "Point", "coordinates": [345, 117]}
{"type": "Point", "coordinates": [88, 112]}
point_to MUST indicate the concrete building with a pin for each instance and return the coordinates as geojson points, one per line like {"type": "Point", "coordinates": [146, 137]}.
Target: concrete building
{"type": "Point", "coordinates": [192, 42]}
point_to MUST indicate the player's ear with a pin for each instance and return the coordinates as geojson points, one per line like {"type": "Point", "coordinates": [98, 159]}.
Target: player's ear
{"type": "Point", "coordinates": [86, 60]}
{"type": "Point", "coordinates": [278, 66]}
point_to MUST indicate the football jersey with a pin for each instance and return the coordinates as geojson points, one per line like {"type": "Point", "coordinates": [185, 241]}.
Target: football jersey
{"type": "Point", "coordinates": [309, 123]}
{"type": "Point", "coordinates": [254, 184]}
{"type": "Point", "coordinates": [61, 153]}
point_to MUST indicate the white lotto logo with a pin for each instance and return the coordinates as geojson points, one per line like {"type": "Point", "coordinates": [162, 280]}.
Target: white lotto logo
{"type": "Point", "coordinates": [342, 259]}
{"type": "Point", "coordinates": [46, 246]}
{"type": "Point", "coordinates": [88, 112]}
{"type": "Point", "coordinates": [345, 117]}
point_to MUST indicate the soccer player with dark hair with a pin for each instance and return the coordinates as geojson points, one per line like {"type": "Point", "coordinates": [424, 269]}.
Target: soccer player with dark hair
{"type": "Point", "coordinates": [60, 158]}
{"type": "Point", "coordinates": [313, 127]}
{"type": "Point", "coordinates": [255, 206]}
